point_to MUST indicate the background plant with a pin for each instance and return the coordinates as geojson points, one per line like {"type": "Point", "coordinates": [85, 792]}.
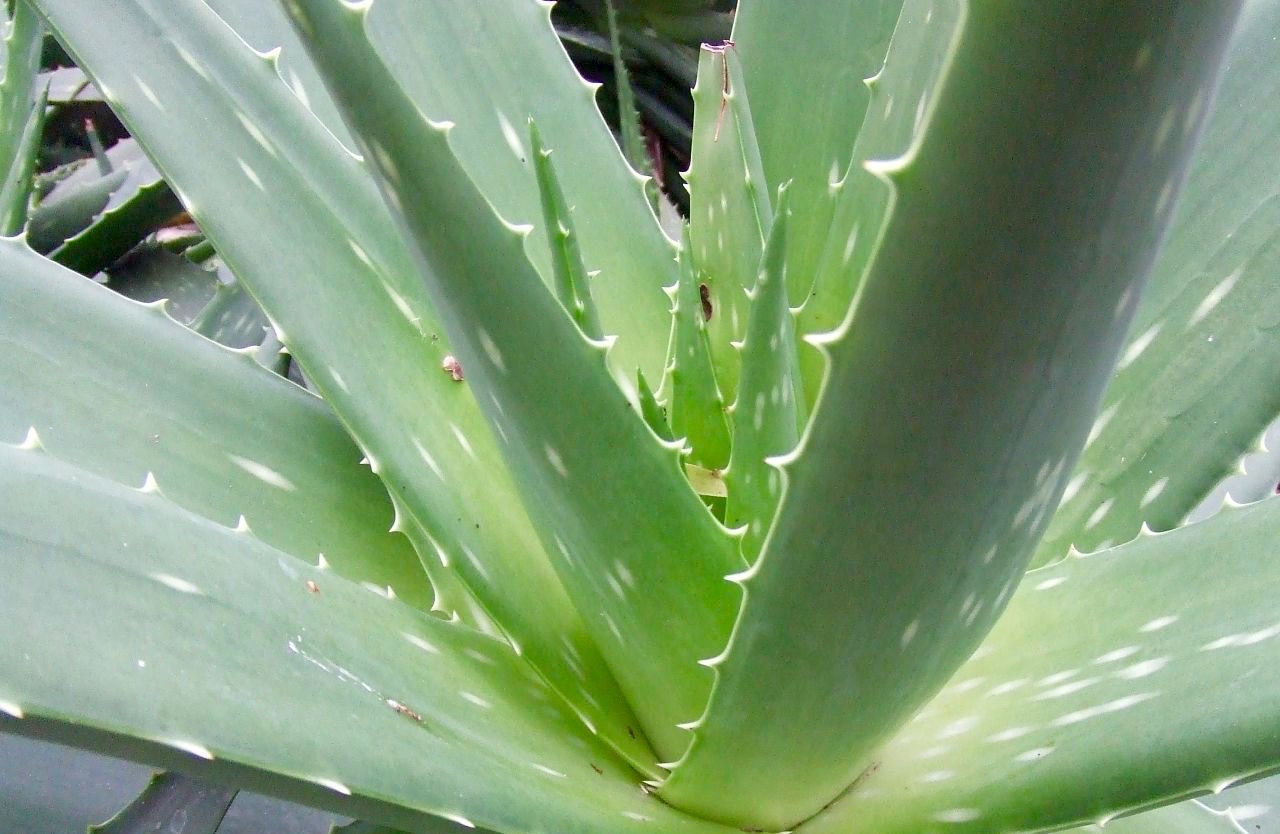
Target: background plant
{"type": "Point", "coordinates": [925, 340]}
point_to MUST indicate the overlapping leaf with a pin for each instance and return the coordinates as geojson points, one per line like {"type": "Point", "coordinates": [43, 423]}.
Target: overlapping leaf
{"type": "Point", "coordinates": [1032, 737]}
{"type": "Point", "coordinates": [1199, 379]}
{"type": "Point", "coordinates": [332, 695]}
{"type": "Point", "coordinates": [21, 113]}
{"type": "Point", "coordinates": [806, 72]}
{"type": "Point", "coordinates": [729, 205]}
{"type": "Point", "coordinates": [138, 399]}
{"type": "Point", "coordinates": [301, 224]}
{"type": "Point", "coordinates": [988, 348]}
{"type": "Point", "coordinates": [633, 542]}
{"type": "Point", "coordinates": [769, 414]}
{"type": "Point", "coordinates": [488, 68]}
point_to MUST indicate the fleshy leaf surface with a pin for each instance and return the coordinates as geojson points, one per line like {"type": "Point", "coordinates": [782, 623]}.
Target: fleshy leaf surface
{"type": "Point", "coordinates": [333, 696]}
{"type": "Point", "coordinates": [344, 297]}
{"type": "Point", "coordinates": [988, 346]}
{"type": "Point", "coordinates": [1050, 723]}
{"type": "Point", "coordinates": [632, 546]}
{"type": "Point", "coordinates": [488, 68]}
{"type": "Point", "coordinates": [1199, 379]}
{"type": "Point", "coordinates": [768, 416]}
{"type": "Point", "coordinates": [206, 427]}
{"type": "Point", "coordinates": [806, 72]}
{"type": "Point", "coordinates": [21, 112]}
{"type": "Point", "coordinates": [730, 208]}
{"type": "Point", "coordinates": [698, 408]}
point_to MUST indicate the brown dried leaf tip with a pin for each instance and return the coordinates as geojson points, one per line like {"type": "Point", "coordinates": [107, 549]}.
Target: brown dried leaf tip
{"type": "Point", "coordinates": [452, 367]}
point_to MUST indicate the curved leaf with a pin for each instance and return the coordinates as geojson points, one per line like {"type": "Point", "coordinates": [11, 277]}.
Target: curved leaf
{"type": "Point", "coordinates": [990, 347]}
{"type": "Point", "coordinates": [1171, 694]}
{"type": "Point", "coordinates": [197, 647]}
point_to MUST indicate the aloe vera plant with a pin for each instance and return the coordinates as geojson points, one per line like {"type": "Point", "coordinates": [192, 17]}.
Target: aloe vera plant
{"type": "Point", "coordinates": [576, 527]}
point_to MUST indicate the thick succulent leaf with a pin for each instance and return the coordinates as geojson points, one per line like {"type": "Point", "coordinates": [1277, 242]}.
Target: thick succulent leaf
{"type": "Point", "coordinates": [633, 546]}
{"type": "Point", "coordinates": [632, 140]}
{"type": "Point", "coordinates": [208, 428]}
{"type": "Point", "coordinates": [231, 317]}
{"type": "Point", "coordinates": [71, 206]}
{"type": "Point", "coordinates": [15, 193]}
{"type": "Point", "coordinates": [698, 408]}
{"type": "Point", "coordinates": [768, 416]}
{"type": "Point", "coordinates": [345, 298]}
{"type": "Point", "coordinates": [805, 72]}
{"type": "Point", "coordinates": [488, 68]}
{"type": "Point", "coordinates": [101, 193]}
{"type": "Point", "coordinates": [332, 695]}
{"type": "Point", "coordinates": [653, 413]}
{"type": "Point", "coordinates": [21, 114]}
{"type": "Point", "coordinates": [990, 347]}
{"type": "Point", "coordinates": [895, 118]}
{"type": "Point", "coordinates": [172, 802]}
{"type": "Point", "coordinates": [729, 204]}
{"type": "Point", "coordinates": [264, 26]}
{"type": "Point", "coordinates": [119, 228]}
{"type": "Point", "coordinates": [572, 281]}
{"type": "Point", "coordinates": [1199, 380]}
{"type": "Point", "coordinates": [1171, 693]}
{"type": "Point", "coordinates": [153, 273]}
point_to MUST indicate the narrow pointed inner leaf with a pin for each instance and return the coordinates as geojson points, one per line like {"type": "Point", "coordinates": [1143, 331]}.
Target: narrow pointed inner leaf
{"type": "Point", "coordinates": [729, 205]}
{"type": "Point", "coordinates": [768, 416]}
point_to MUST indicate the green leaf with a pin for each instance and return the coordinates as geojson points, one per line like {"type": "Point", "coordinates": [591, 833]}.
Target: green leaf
{"type": "Point", "coordinates": [698, 409]}
{"type": "Point", "coordinates": [572, 283]}
{"type": "Point", "coordinates": [231, 317]}
{"type": "Point", "coordinates": [172, 802]}
{"type": "Point", "coordinates": [195, 647]}
{"type": "Point", "coordinates": [769, 414]}
{"type": "Point", "coordinates": [21, 114]}
{"type": "Point", "coordinates": [805, 72]}
{"type": "Point", "coordinates": [344, 296]}
{"type": "Point", "coordinates": [988, 347]}
{"type": "Point", "coordinates": [71, 206]}
{"type": "Point", "coordinates": [206, 427]}
{"type": "Point", "coordinates": [153, 273]}
{"type": "Point", "coordinates": [119, 228]}
{"type": "Point", "coordinates": [1199, 380]}
{"type": "Point", "coordinates": [654, 415]}
{"type": "Point", "coordinates": [1042, 726]}
{"type": "Point", "coordinates": [607, 498]}
{"type": "Point", "coordinates": [95, 214]}
{"type": "Point", "coordinates": [520, 71]}
{"type": "Point", "coordinates": [633, 144]}
{"type": "Point", "coordinates": [729, 206]}
{"type": "Point", "coordinates": [265, 28]}
{"type": "Point", "coordinates": [902, 96]}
